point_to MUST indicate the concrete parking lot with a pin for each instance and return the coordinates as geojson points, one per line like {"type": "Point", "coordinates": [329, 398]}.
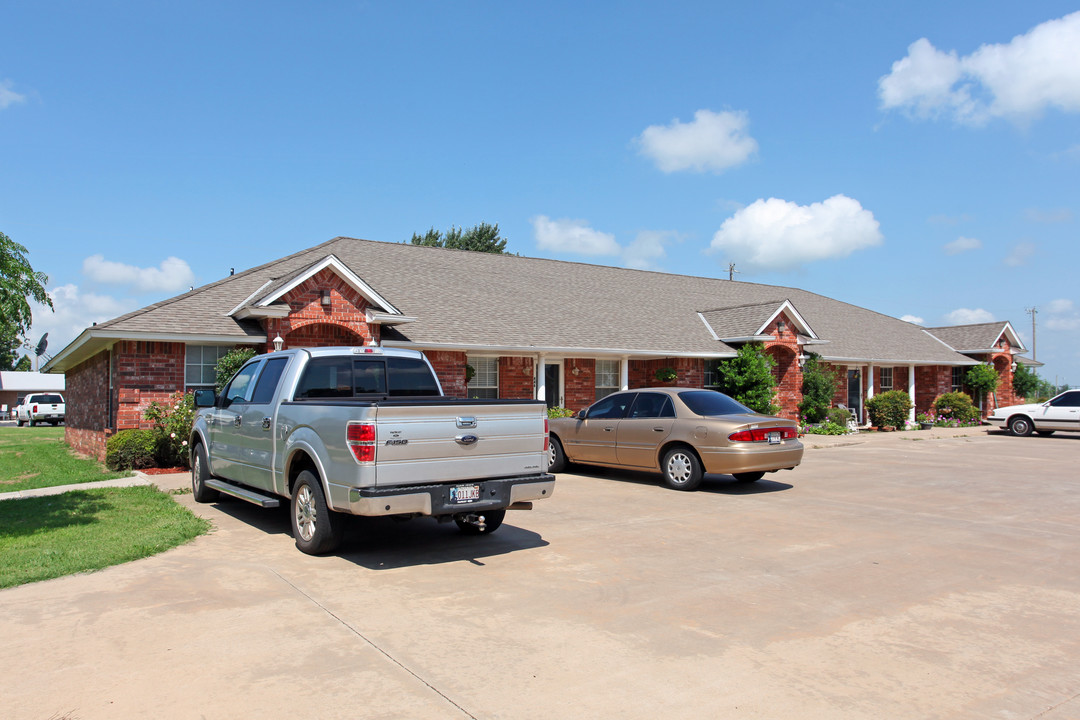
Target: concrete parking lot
{"type": "Point", "coordinates": [894, 576]}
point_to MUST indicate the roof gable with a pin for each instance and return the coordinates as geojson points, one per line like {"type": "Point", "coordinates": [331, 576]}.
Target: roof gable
{"type": "Point", "coordinates": [748, 323]}
{"type": "Point", "coordinates": [978, 338]}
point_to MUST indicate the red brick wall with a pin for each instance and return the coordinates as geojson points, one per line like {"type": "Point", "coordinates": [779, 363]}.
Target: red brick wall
{"type": "Point", "coordinates": [579, 390]}
{"type": "Point", "coordinates": [146, 372]}
{"type": "Point", "coordinates": [931, 381]}
{"type": "Point", "coordinates": [516, 377]}
{"type": "Point", "coordinates": [450, 369]}
{"type": "Point", "coordinates": [87, 413]}
{"type": "Point", "coordinates": [690, 372]}
{"type": "Point", "coordinates": [345, 311]}
{"type": "Point", "coordinates": [784, 350]}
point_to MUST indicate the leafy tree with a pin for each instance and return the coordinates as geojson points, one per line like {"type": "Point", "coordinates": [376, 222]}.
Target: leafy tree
{"type": "Point", "coordinates": [479, 238]}
{"type": "Point", "coordinates": [229, 363]}
{"type": "Point", "coordinates": [748, 378]}
{"type": "Point", "coordinates": [1025, 382]}
{"type": "Point", "coordinates": [983, 379]}
{"type": "Point", "coordinates": [10, 345]}
{"type": "Point", "coordinates": [818, 388]}
{"type": "Point", "coordinates": [19, 284]}
{"type": "Point", "coordinates": [24, 364]}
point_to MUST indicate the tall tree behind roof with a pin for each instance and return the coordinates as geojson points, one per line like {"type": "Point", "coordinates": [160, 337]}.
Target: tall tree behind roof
{"type": "Point", "coordinates": [479, 238]}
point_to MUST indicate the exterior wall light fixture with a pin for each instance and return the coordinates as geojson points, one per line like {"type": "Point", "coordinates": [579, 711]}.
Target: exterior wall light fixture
{"type": "Point", "coordinates": [278, 342]}
{"type": "Point", "coordinates": [325, 298]}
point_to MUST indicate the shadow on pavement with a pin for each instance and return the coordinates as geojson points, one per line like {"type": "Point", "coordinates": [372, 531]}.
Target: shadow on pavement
{"type": "Point", "coordinates": [715, 484]}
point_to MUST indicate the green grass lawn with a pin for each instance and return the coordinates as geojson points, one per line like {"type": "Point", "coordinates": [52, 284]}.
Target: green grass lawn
{"type": "Point", "coordinates": [38, 457]}
{"type": "Point", "coordinates": [81, 530]}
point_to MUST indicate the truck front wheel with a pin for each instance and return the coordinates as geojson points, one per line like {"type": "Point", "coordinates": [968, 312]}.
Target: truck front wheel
{"type": "Point", "coordinates": [200, 473]}
{"type": "Point", "coordinates": [316, 528]}
{"type": "Point", "coordinates": [492, 520]}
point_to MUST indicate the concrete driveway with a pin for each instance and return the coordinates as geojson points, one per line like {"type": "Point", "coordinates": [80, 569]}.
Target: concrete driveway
{"type": "Point", "coordinates": [888, 577]}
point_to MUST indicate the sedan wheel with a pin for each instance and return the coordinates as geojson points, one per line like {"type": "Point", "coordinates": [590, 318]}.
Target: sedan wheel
{"type": "Point", "coordinates": [1020, 426]}
{"type": "Point", "coordinates": [682, 469]}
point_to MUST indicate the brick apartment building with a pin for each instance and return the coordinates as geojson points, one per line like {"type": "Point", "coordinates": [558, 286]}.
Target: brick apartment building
{"type": "Point", "coordinates": [512, 327]}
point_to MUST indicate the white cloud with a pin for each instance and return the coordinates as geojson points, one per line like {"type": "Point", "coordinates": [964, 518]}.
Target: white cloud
{"type": "Point", "coordinates": [913, 319]}
{"type": "Point", "coordinates": [964, 316]}
{"type": "Point", "coordinates": [1020, 254]}
{"type": "Point", "coordinates": [647, 248]}
{"type": "Point", "coordinates": [1016, 80]}
{"type": "Point", "coordinates": [573, 236]}
{"type": "Point", "coordinates": [711, 142]}
{"type": "Point", "coordinates": [172, 275]}
{"type": "Point", "coordinates": [8, 96]}
{"type": "Point", "coordinates": [1049, 217]}
{"type": "Point", "coordinates": [1062, 315]}
{"type": "Point", "coordinates": [73, 311]}
{"type": "Point", "coordinates": [780, 235]}
{"type": "Point", "coordinates": [962, 244]}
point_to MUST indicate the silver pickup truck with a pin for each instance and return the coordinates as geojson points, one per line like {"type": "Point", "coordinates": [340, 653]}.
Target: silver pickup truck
{"type": "Point", "coordinates": [365, 431]}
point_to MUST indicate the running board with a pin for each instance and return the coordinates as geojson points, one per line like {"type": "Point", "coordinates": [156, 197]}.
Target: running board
{"type": "Point", "coordinates": [246, 494]}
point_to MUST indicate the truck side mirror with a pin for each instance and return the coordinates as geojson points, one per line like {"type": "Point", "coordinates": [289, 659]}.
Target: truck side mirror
{"type": "Point", "coordinates": [204, 398]}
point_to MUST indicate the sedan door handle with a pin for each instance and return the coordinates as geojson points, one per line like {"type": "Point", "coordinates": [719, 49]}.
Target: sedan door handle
{"type": "Point", "coordinates": [239, 419]}
{"type": "Point", "coordinates": [658, 429]}
{"type": "Point", "coordinates": [267, 422]}
{"type": "Point", "coordinates": [608, 429]}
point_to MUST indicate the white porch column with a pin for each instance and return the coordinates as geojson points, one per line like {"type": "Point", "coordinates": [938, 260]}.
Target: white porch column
{"type": "Point", "coordinates": [540, 380]}
{"type": "Point", "coordinates": [911, 391]}
{"type": "Point", "coordinates": [869, 381]}
{"type": "Point", "coordinates": [624, 372]}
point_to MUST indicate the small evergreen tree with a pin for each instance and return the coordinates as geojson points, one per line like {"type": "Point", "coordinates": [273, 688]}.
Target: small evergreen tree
{"type": "Point", "coordinates": [818, 388]}
{"type": "Point", "coordinates": [479, 238]}
{"type": "Point", "coordinates": [748, 378]}
{"type": "Point", "coordinates": [1025, 383]}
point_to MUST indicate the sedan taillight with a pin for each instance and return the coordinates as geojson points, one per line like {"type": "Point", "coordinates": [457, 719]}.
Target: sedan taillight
{"type": "Point", "coordinates": [762, 434]}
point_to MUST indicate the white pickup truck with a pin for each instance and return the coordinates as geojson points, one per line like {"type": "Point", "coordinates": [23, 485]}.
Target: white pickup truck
{"type": "Point", "coordinates": [41, 407]}
{"type": "Point", "coordinates": [365, 431]}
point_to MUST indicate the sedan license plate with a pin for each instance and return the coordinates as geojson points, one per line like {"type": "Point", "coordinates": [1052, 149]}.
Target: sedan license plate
{"type": "Point", "coordinates": [774, 438]}
{"type": "Point", "coordinates": [464, 494]}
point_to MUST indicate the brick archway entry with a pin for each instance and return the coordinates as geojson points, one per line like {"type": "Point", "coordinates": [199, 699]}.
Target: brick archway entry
{"type": "Point", "coordinates": [321, 335]}
{"type": "Point", "coordinates": [788, 380]}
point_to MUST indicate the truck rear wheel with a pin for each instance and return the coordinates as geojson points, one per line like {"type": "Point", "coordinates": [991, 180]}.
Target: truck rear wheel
{"type": "Point", "coordinates": [200, 473]}
{"type": "Point", "coordinates": [316, 528]}
{"type": "Point", "coordinates": [492, 520]}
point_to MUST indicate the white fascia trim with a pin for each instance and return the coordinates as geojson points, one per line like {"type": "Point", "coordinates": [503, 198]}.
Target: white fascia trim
{"type": "Point", "coordinates": [748, 338]}
{"type": "Point", "coordinates": [343, 271]}
{"type": "Point", "coordinates": [378, 318]}
{"type": "Point", "coordinates": [796, 318]}
{"type": "Point", "coordinates": [886, 361]}
{"type": "Point", "coordinates": [559, 351]}
{"type": "Point", "coordinates": [708, 327]}
{"type": "Point", "coordinates": [249, 298]}
{"type": "Point", "coordinates": [1014, 339]}
{"type": "Point", "coordinates": [271, 311]}
{"type": "Point", "coordinates": [109, 337]}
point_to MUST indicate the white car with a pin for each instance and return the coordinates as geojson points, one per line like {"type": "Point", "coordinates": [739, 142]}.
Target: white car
{"type": "Point", "coordinates": [1061, 412]}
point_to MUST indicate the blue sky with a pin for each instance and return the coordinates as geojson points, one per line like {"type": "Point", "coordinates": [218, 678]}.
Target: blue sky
{"type": "Point", "coordinates": [920, 159]}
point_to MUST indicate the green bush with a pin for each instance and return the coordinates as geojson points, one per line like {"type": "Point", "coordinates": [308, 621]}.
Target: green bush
{"type": "Point", "coordinates": [131, 450]}
{"type": "Point", "coordinates": [559, 412]}
{"type": "Point", "coordinates": [983, 379]}
{"type": "Point", "coordinates": [229, 363]}
{"type": "Point", "coordinates": [839, 416]}
{"type": "Point", "coordinates": [889, 409]}
{"type": "Point", "coordinates": [956, 406]}
{"type": "Point", "coordinates": [172, 427]}
{"type": "Point", "coordinates": [748, 378]}
{"type": "Point", "coordinates": [818, 388]}
{"type": "Point", "coordinates": [828, 428]}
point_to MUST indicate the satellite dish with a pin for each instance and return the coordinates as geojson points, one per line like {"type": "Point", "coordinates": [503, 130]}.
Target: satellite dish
{"type": "Point", "coordinates": [42, 344]}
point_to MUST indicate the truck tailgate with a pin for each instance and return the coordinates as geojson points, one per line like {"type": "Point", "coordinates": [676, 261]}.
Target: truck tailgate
{"type": "Point", "coordinates": [446, 443]}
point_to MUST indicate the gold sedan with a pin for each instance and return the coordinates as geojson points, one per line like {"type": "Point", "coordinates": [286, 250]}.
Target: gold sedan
{"type": "Point", "coordinates": [681, 432]}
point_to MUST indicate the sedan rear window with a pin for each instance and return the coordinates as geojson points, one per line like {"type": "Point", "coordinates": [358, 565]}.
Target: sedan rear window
{"type": "Point", "coordinates": [710, 403]}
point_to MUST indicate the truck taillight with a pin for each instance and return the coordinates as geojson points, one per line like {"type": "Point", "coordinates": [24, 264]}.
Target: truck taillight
{"type": "Point", "coordinates": [546, 436]}
{"type": "Point", "coordinates": [762, 434]}
{"type": "Point", "coordinates": [35, 409]}
{"type": "Point", "coordinates": [361, 440]}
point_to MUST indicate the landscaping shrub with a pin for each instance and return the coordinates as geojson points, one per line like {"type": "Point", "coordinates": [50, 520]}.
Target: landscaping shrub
{"type": "Point", "coordinates": [748, 378]}
{"type": "Point", "coordinates": [827, 428]}
{"type": "Point", "coordinates": [954, 407]}
{"type": "Point", "coordinates": [818, 388]}
{"type": "Point", "coordinates": [172, 427]}
{"type": "Point", "coordinates": [983, 379]}
{"type": "Point", "coordinates": [839, 416]}
{"type": "Point", "coordinates": [559, 412]}
{"type": "Point", "coordinates": [229, 363]}
{"type": "Point", "coordinates": [131, 450]}
{"type": "Point", "coordinates": [889, 409]}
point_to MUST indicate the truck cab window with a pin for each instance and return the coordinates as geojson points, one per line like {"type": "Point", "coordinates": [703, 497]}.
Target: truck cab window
{"type": "Point", "coordinates": [326, 377]}
{"type": "Point", "coordinates": [239, 388]}
{"type": "Point", "coordinates": [369, 377]}
{"type": "Point", "coordinates": [267, 383]}
{"type": "Point", "coordinates": [411, 377]}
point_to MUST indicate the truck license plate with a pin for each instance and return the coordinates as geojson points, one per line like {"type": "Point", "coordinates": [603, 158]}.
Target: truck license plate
{"type": "Point", "coordinates": [464, 494]}
{"type": "Point", "coordinates": [774, 438]}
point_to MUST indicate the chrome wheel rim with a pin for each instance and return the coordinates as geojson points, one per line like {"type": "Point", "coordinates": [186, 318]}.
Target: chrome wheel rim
{"type": "Point", "coordinates": [305, 513]}
{"type": "Point", "coordinates": [196, 468]}
{"type": "Point", "coordinates": [678, 468]}
{"type": "Point", "coordinates": [551, 454]}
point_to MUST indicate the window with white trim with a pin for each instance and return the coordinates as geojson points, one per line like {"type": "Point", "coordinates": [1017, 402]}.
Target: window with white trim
{"type": "Point", "coordinates": [485, 379]}
{"type": "Point", "coordinates": [200, 364]}
{"type": "Point", "coordinates": [957, 379]}
{"type": "Point", "coordinates": [607, 378]}
{"type": "Point", "coordinates": [712, 374]}
{"type": "Point", "coordinates": [886, 379]}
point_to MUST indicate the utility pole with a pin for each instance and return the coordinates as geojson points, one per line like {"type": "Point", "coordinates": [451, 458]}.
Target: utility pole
{"type": "Point", "coordinates": [731, 271]}
{"type": "Point", "coordinates": [1032, 311]}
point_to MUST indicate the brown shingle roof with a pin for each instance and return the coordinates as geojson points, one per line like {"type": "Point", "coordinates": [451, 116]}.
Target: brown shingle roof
{"type": "Point", "coordinates": [470, 299]}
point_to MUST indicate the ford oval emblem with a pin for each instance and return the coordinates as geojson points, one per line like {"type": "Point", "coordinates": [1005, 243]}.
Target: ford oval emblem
{"type": "Point", "coordinates": [467, 439]}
